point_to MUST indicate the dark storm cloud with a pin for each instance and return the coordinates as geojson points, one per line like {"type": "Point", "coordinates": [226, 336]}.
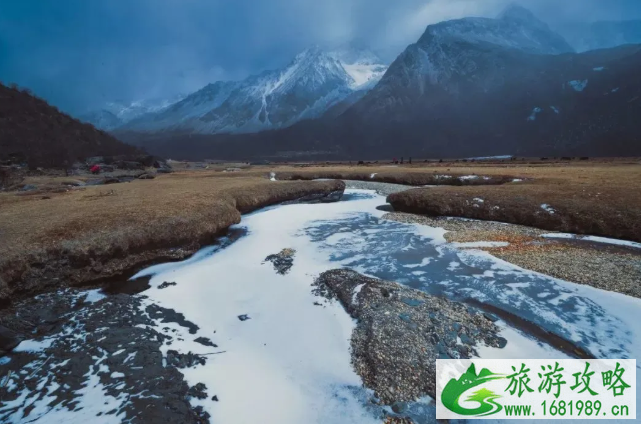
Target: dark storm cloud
{"type": "Point", "coordinates": [81, 53]}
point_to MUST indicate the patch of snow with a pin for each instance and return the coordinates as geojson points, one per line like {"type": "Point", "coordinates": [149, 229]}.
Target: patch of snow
{"type": "Point", "coordinates": [468, 177]}
{"type": "Point", "coordinates": [33, 345]}
{"type": "Point", "coordinates": [94, 296]}
{"type": "Point", "coordinates": [595, 239]}
{"type": "Point", "coordinates": [478, 244]}
{"type": "Point", "coordinates": [355, 293]}
{"type": "Point", "coordinates": [272, 176]}
{"type": "Point", "coordinates": [598, 69]}
{"type": "Point", "coordinates": [60, 364]}
{"type": "Point", "coordinates": [364, 74]}
{"type": "Point", "coordinates": [517, 180]}
{"type": "Point", "coordinates": [614, 90]}
{"type": "Point", "coordinates": [129, 357]}
{"type": "Point", "coordinates": [535, 112]}
{"type": "Point", "coordinates": [5, 360]}
{"type": "Point", "coordinates": [560, 235]}
{"type": "Point", "coordinates": [478, 199]}
{"type": "Point", "coordinates": [578, 85]}
{"type": "Point", "coordinates": [116, 374]}
{"type": "Point", "coordinates": [548, 208]}
{"type": "Point", "coordinates": [372, 176]}
{"type": "Point", "coordinates": [423, 263]}
{"type": "Point", "coordinates": [555, 109]}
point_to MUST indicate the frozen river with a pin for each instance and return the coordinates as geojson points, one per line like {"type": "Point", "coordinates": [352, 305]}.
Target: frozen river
{"type": "Point", "coordinates": [291, 349]}
{"type": "Point", "coordinates": [283, 358]}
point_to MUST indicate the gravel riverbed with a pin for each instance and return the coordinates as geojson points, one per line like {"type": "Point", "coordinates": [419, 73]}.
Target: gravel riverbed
{"type": "Point", "coordinates": [602, 266]}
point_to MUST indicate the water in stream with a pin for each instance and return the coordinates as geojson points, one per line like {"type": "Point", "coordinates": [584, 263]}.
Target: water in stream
{"type": "Point", "coordinates": [280, 355]}
{"type": "Point", "coordinates": [290, 349]}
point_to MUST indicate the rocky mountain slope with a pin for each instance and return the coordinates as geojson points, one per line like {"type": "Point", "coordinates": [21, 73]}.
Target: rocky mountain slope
{"type": "Point", "coordinates": [312, 83]}
{"type": "Point", "coordinates": [32, 129]}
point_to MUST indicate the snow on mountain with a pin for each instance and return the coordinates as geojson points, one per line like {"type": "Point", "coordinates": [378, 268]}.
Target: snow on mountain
{"type": "Point", "coordinates": [516, 27]}
{"type": "Point", "coordinates": [306, 88]}
{"type": "Point", "coordinates": [361, 64]}
{"type": "Point", "coordinates": [116, 113]}
{"type": "Point", "coordinates": [468, 50]}
{"type": "Point", "coordinates": [127, 111]}
{"type": "Point", "coordinates": [485, 86]}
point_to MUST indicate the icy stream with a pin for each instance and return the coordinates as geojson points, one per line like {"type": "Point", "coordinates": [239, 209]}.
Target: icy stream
{"type": "Point", "coordinates": [282, 354]}
{"type": "Point", "coordinates": [290, 361]}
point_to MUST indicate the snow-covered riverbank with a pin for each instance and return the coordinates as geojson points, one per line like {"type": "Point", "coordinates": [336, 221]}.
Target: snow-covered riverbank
{"type": "Point", "coordinates": [282, 356]}
{"type": "Point", "coordinates": [292, 346]}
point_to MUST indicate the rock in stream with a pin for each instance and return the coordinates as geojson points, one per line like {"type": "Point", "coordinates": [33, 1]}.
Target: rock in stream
{"type": "Point", "coordinates": [402, 331]}
{"type": "Point", "coordinates": [283, 260]}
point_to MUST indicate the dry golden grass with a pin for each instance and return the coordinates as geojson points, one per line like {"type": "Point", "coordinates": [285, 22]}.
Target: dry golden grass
{"type": "Point", "coordinates": [598, 196]}
{"type": "Point", "coordinates": [574, 171]}
{"type": "Point", "coordinates": [600, 199]}
{"type": "Point", "coordinates": [93, 224]}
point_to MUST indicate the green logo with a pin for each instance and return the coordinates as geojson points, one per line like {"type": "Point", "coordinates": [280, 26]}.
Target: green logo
{"type": "Point", "coordinates": [455, 389]}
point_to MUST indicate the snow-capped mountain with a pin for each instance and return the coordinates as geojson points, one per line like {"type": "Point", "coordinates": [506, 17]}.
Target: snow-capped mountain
{"type": "Point", "coordinates": [601, 34]}
{"type": "Point", "coordinates": [469, 51]}
{"type": "Point", "coordinates": [468, 87]}
{"type": "Point", "coordinates": [306, 88]}
{"type": "Point", "coordinates": [117, 113]}
{"type": "Point", "coordinates": [480, 85]}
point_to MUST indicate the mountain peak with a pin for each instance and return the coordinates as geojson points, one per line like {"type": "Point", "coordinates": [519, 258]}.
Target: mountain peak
{"type": "Point", "coordinates": [517, 12]}
{"type": "Point", "coordinates": [355, 52]}
{"type": "Point", "coordinates": [516, 28]}
{"type": "Point", "coordinates": [310, 52]}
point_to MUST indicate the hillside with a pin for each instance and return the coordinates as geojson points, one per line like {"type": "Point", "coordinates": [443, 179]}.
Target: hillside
{"type": "Point", "coordinates": [46, 137]}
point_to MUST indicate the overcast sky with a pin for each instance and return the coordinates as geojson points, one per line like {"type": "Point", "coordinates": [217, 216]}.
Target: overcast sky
{"type": "Point", "coordinates": [79, 54]}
